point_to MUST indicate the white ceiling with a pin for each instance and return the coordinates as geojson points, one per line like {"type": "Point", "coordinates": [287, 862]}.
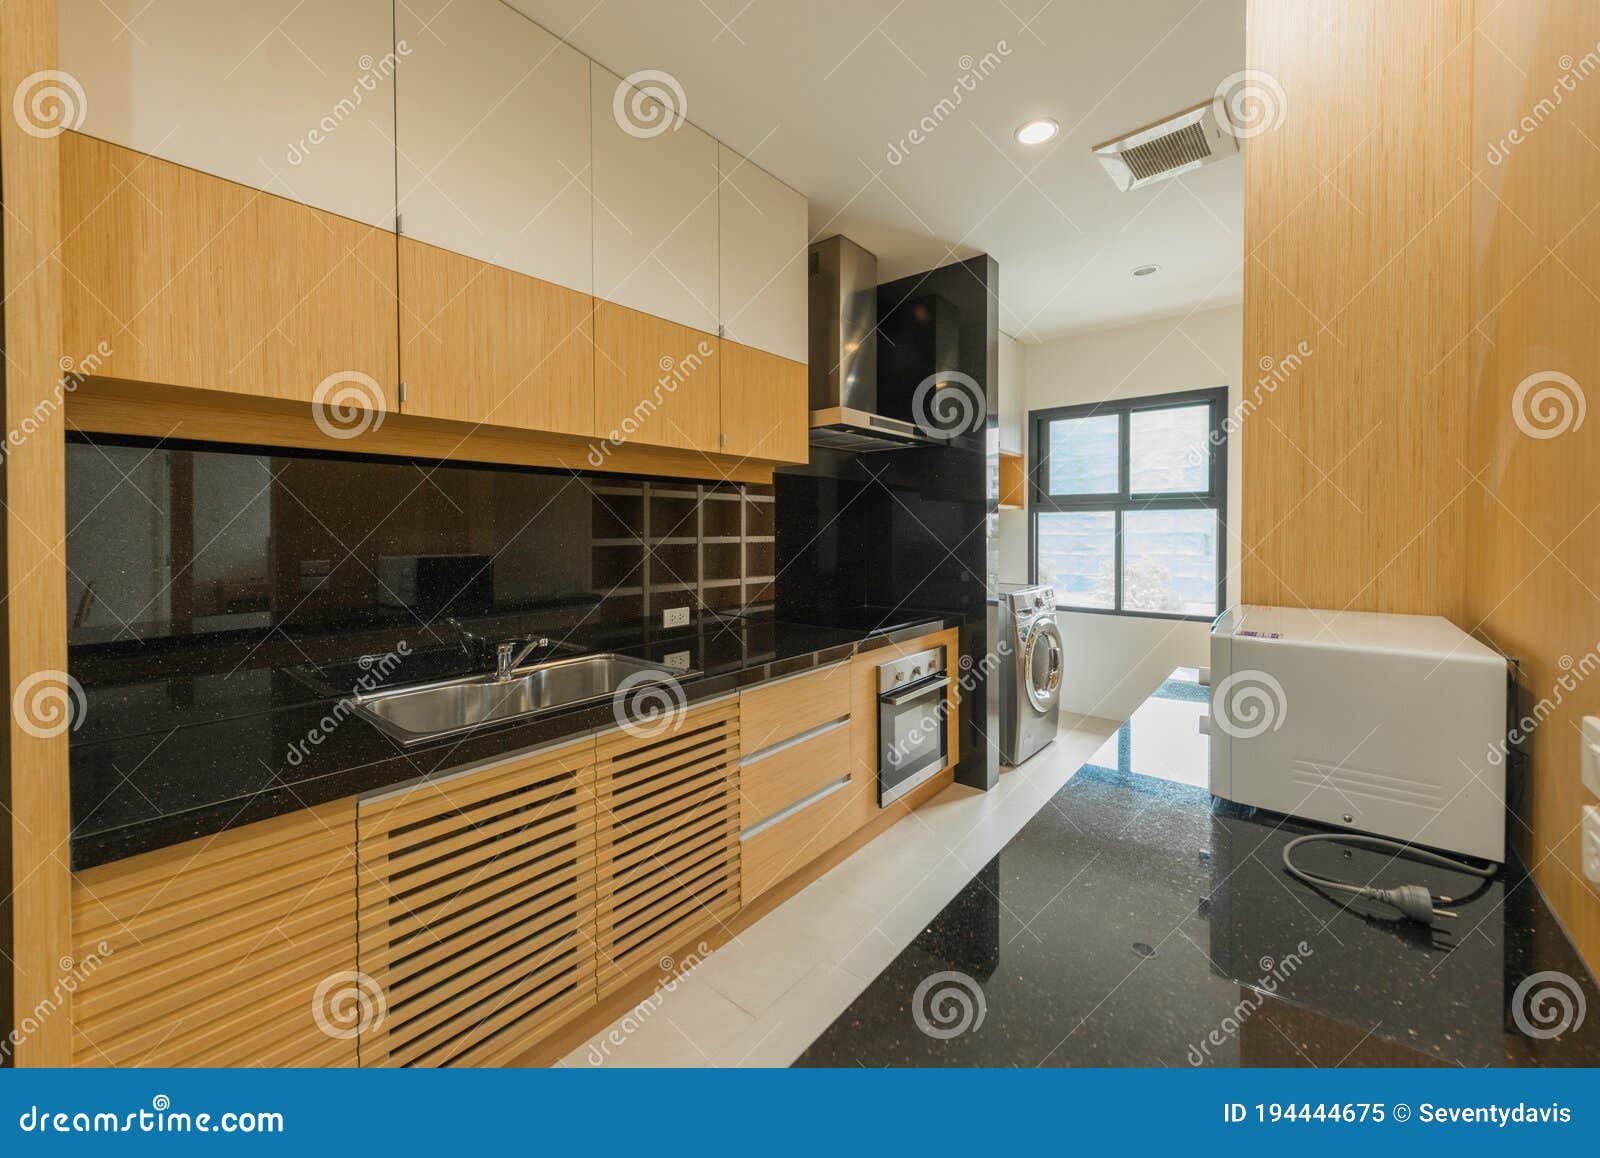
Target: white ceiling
{"type": "Point", "coordinates": [819, 91]}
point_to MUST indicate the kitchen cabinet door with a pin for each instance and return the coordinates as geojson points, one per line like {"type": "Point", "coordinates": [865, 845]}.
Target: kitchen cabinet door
{"type": "Point", "coordinates": [290, 98]}
{"type": "Point", "coordinates": [656, 383]}
{"type": "Point", "coordinates": [496, 261]}
{"type": "Point", "coordinates": [763, 405]}
{"type": "Point", "coordinates": [762, 283]}
{"type": "Point", "coordinates": [655, 203]}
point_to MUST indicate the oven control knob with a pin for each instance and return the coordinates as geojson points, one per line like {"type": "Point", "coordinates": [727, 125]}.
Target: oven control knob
{"type": "Point", "coordinates": [916, 671]}
{"type": "Point", "coordinates": [899, 676]}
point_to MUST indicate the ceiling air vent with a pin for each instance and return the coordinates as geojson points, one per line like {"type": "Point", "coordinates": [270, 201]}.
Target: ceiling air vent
{"type": "Point", "coordinates": [1172, 145]}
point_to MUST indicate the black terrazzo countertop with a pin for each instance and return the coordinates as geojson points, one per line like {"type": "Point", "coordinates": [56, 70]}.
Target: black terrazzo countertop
{"type": "Point", "coordinates": [162, 761]}
{"type": "Point", "coordinates": [1133, 922]}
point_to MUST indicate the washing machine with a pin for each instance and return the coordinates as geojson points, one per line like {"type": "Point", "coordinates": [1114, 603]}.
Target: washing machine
{"type": "Point", "coordinates": [1030, 668]}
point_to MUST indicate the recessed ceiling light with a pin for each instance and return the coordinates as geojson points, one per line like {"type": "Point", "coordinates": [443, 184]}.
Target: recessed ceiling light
{"type": "Point", "coordinates": [1038, 132]}
{"type": "Point", "coordinates": [1145, 270]}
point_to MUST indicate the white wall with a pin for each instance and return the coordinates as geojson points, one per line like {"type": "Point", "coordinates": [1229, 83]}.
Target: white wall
{"type": "Point", "coordinates": [1114, 662]}
{"type": "Point", "coordinates": [1013, 534]}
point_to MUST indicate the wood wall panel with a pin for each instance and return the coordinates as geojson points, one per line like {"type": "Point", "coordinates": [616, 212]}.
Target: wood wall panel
{"type": "Point", "coordinates": [191, 280]}
{"type": "Point", "coordinates": [34, 877]}
{"type": "Point", "coordinates": [1356, 238]}
{"type": "Point", "coordinates": [1533, 586]}
{"type": "Point", "coordinates": [486, 344]}
{"type": "Point", "coordinates": [214, 952]}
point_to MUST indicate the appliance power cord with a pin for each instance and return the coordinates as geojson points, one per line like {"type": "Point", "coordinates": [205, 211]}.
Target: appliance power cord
{"type": "Point", "coordinates": [1415, 902]}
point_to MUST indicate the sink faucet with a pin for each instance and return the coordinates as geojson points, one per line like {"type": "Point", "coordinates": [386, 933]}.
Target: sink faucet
{"type": "Point", "coordinates": [507, 655]}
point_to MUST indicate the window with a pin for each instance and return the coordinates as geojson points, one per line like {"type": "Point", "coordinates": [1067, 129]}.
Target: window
{"type": "Point", "coordinates": [1128, 501]}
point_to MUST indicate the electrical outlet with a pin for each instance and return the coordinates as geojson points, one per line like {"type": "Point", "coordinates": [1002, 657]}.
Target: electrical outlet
{"type": "Point", "coordinates": [675, 617]}
{"type": "Point", "coordinates": [1591, 753]}
{"type": "Point", "coordinates": [677, 659]}
{"type": "Point", "coordinates": [1591, 843]}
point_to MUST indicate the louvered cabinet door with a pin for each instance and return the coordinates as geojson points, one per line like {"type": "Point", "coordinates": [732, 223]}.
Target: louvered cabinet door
{"type": "Point", "coordinates": [476, 909]}
{"type": "Point", "coordinates": [221, 951]}
{"type": "Point", "coordinates": [667, 830]}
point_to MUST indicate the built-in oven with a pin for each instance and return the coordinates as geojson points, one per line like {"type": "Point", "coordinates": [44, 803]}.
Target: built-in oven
{"type": "Point", "coordinates": [913, 716]}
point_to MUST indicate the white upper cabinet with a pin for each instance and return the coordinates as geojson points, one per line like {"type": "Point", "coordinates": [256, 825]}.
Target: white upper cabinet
{"type": "Point", "coordinates": [494, 139]}
{"type": "Point", "coordinates": [655, 204]}
{"type": "Point", "coordinates": [763, 258]}
{"type": "Point", "coordinates": [290, 97]}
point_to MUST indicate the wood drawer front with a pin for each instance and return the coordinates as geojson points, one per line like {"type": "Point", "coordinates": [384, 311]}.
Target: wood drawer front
{"type": "Point", "coordinates": [212, 952]}
{"type": "Point", "coordinates": [773, 782]}
{"type": "Point", "coordinates": [184, 279]}
{"type": "Point", "coordinates": [772, 713]}
{"type": "Point", "coordinates": [476, 910]}
{"type": "Point", "coordinates": [788, 846]}
{"type": "Point", "coordinates": [667, 829]}
{"type": "Point", "coordinates": [486, 344]}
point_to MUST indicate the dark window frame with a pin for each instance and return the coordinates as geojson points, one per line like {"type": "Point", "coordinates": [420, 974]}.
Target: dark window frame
{"type": "Point", "coordinates": [1214, 498]}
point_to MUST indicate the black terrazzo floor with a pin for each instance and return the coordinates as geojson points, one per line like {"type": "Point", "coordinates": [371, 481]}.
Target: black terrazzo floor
{"type": "Point", "coordinates": [1133, 923]}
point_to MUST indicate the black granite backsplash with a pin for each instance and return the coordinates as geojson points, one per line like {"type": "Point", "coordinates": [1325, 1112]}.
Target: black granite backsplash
{"type": "Point", "coordinates": [188, 557]}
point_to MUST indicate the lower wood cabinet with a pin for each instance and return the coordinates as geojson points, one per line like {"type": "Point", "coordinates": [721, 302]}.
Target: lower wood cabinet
{"type": "Point", "coordinates": [480, 343]}
{"type": "Point", "coordinates": [765, 405]}
{"type": "Point", "coordinates": [181, 278]}
{"type": "Point", "coordinates": [668, 835]}
{"type": "Point", "coordinates": [655, 382]}
{"type": "Point", "coordinates": [220, 951]}
{"type": "Point", "coordinates": [476, 917]}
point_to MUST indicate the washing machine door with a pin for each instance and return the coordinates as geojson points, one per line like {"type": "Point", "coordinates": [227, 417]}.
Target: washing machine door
{"type": "Point", "coordinates": [1041, 665]}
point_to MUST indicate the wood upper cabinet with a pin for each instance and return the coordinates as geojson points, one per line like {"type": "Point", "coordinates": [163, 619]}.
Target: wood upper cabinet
{"type": "Point", "coordinates": [655, 383]}
{"type": "Point", "coordinates": [762, 255]}
{"type": "Point", "coordinates": [181, 278]}
{"type": "Point", "coordinates": [655, 205]}
{"type": "Point", "coordinates": [287, 97]}
{"type": "Point", "coordinates": [762, 305]}
{"type": "Point", "coordinates": [495, 262]}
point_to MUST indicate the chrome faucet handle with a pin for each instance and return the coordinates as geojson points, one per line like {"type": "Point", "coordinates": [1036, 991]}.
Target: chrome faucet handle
{"type": "Point", "coordinates": [503, 663]}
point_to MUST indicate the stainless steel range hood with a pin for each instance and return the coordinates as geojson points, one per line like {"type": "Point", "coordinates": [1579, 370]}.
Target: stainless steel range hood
{"type": "Point", "coordinates": [844, 353]}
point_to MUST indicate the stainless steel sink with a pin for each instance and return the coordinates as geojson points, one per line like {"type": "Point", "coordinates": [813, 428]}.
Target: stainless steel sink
{"type": "Point", "coordinates": [429, 711]}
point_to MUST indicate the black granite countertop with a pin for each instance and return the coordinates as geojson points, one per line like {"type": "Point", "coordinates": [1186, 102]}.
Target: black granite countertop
{"type": "Point", "coordinates": [1135, 922]}
{"type": "Point", "coordinates": [165, 760]}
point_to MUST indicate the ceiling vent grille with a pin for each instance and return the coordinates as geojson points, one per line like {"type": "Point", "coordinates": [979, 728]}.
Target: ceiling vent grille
{"type": "Point", "coordinates": [1177, 144]}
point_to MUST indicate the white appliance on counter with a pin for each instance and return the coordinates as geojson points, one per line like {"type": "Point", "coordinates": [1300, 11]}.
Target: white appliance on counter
{"type": "Point", "coordinates": [1388, 724]}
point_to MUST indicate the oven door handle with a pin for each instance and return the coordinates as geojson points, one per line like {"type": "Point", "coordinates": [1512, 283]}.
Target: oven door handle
{"type": "Point", "coordinates": [914, 692]}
